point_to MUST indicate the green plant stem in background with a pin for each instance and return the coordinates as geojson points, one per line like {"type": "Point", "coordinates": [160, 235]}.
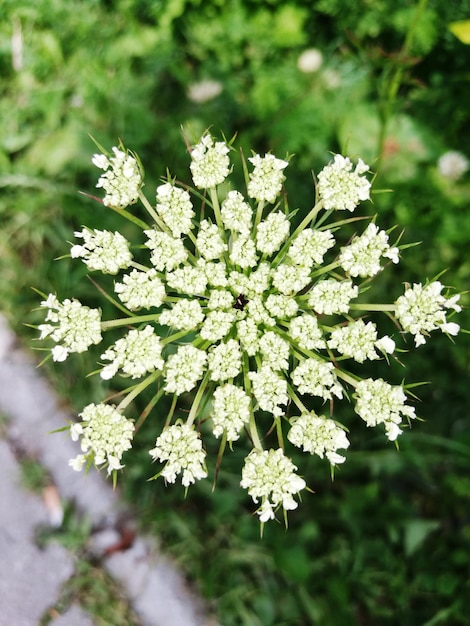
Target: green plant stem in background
{"type": "Point", "coordinates": [392, 78]}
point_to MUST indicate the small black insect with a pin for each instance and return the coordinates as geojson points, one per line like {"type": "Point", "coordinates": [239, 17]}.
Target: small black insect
{"type": "Point", "coordinates": [240, 303]}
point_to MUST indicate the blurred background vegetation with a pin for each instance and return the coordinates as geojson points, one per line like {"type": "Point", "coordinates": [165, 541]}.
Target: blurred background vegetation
{"type": "Point", "coordinates": [388, 542]}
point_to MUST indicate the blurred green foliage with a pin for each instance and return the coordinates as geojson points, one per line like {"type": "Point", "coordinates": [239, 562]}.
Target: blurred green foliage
{"type": "Point", "coordinates": [388, 541]}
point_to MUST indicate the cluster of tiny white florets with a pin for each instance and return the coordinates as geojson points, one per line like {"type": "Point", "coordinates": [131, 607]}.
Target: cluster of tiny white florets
{"type": "Point", "coordinates": [270, 390]}
{"type": "Point", "coordinates": [102, 250]}
{"type": "Point", "coordinates": [230, 411]}
{"type": "Point", "coordinates": [340, 187]}
{"type": "Point", "coordinates": [74, 327]}
{"type": "Point", "coordinates": [237, 312]}
{"type": "Point", "coordinates": [267, 177]}
{"type": "Point", "coordinates": [104, 433]}
{"type": "Point", "coordinates": [210, 164]}
{"type": "Point", "coordinates": [310, 246]}
{"type": "Point", "coordinates": [421, 310]}
{"type": "Point", "coordinates": [236, 213]}
{"type": "Point", "coordinates": [358, 341]}
{"type": "Point", "coordinates": [184, 369]}
{"type": "Point", "coordinates": [140, 290]}
{"type": "Point", "coordinates": [209, 242]}
{"type": "Point", "coordinates": [167, 252]}
{"type": "Point", "coordinates": [320, 436]}
{"type": "Point", "coordinates": [136, 354]}
{"type": "Point", "coordinates": [183, 315]}
{"type": "Point", "coordinates": [272, 233]}
{"type": "Point", "coordinates": [122, 179]}
{"type": "Point", "coordinates": [175, 208]}
{"type": "Point", "coordinates": [378, 402]}
{"type": "Point", "coordinates": [180, 448]}
{"type": "Point", "coordinates": [362, 256]}
{"type": "Point", "coordinates": [317, 378]}
{"type": "Point", "coordinates": [270, 476]}
{"type": "Point", "coordinates": [331, 296]}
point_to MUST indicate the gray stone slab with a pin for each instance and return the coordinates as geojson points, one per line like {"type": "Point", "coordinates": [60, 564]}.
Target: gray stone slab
{"type": "Point", "coordinates": [32, 407]}
{"type": "Point", "coordinates": [157, 590]}
{"type": "Point", "coordinates": [30, 578]}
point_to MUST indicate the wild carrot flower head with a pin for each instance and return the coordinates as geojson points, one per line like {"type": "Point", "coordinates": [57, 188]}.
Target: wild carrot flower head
{"type": "Point", "coordinates": [256, 321]}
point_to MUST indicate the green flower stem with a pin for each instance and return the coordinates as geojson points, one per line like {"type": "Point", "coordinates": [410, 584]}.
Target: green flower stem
{"type": "Point", "coordinates": [139, 266]}
{"type": "Point", "coordinates": [137, 390]}
{"type": "Point", "coordinates": [153, 214]}
{"type": "Point", "coordinates": [127, 321]}
{"type": "Point", "coordinates": [307, 219]}
{"type": "Point", "coordinates": [216, 208]}
{"type": "Point", "coordinates": [197, 399]}
{"type": "Point", "coordinates": [297, 401]}
{"type": "Point", "coordinates": [325, 269]}
{"type": "Point", "coordinates": [279, 433]}
{"type": "Point", "coordinates": [252, 423]}
{"type": "Point", "coordinates": [394, 79]}
{"type": "Point", "coordinates": [259, 214]}
{"type": "Point", "coordinates": [146, 412]}
{"type": "Point", "coordinates": [169, 417]}
{"type": "Point", "coordinates": [348, 378]}
{"type": "Point", "coordinates": [174, 337]}
{"type": "Point", "coordinates": [372, 307]}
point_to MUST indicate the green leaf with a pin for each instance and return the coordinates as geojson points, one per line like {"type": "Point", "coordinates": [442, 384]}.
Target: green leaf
{"type": "Point", "coordinates": [416, 531]}
{"type": "Point", "coordinates": [461, 30]}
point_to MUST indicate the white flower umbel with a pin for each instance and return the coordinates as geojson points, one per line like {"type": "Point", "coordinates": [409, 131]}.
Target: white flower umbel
{"type": "Point", "coordinates": [243, 252]}
{"type": "Point", "coordinates": [184, 369]}
{"type": "Point", "coordinates": [210, 164]}
{"type": "Point", "coordinates": [136, 354]}
{"type": "Point", "coordinates": [250, 308]}
{"type": "Point", "coordinates": [421, 310]}
{"type": "Point", "coordinates": [270, 476]}
{"type": "Point", "coordinates": [102, 250]}
{"type": "Point", "coordinates": [225, 360]}
{"type": "Point", "coordinates": [248, 334]}
{"type": "Point", "coordinates": [105, 434]}
{"type": "Point", "coordinates": [270, 390]}
{"type": "Point", "coordinates": [305, 331]}
{"type": "Point", "coordinates": [317, 378]}
{"type": "Point", "coordinates": [272, 233]}
{"type": "Point", "coordinates": [187, 280]}
{"type": "Point", "coordinates": [141, 290]}
{"type": "Point", "coordinates": [217, 325]}
{"type": "Point", "coordinates": [275, 351]}
{"type": "Point", "coordinates": [282, 307]}
{"type": "Point", "coordinates": [236, 213]}
{"type": "Point", "coordinates": [209, 242]}
{"type": "Point", "coordinates": [71, 325]}
{"type": "Point", "coordinates": [362, 256]}
{"type": "Point", "coordinates": [290, 279]}
{"type": "Point", "coordinates": [181, 448]}
{"type": "Point", "coordinates": [310, 246]}
{"type": "Point", "coordinates": [266, 179]}
{"type": "Point", "coordinates": [358, 341]}
{"type": "Point", "coordinates": [230, 411]}
{"type": "Point", "coordinates": [320, 436]}
{"type": "Point", "coordinates": [122, 179]}
{"type": "Point", "coordinates": [331, 296]}
{"type": "Point", "coordinates": [175, 208]}
{"type": "Point", "coordinates": [378, 402]}
{"type": "Point", "coordinates": [167, 252]}
{"type": "Point", "coordinates": [184, 315]}
{"type": "Point", "coordinates": [340, 187]}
